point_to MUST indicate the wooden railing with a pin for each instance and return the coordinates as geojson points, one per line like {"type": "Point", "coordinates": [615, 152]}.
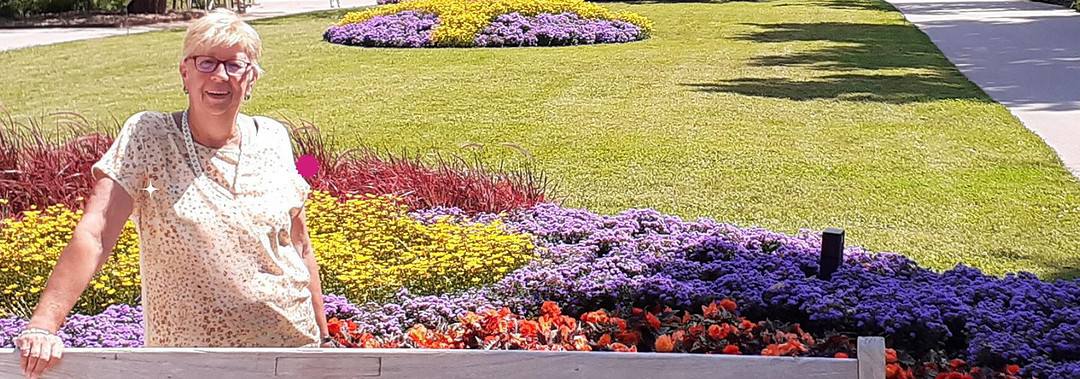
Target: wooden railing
{"type": "Point", "coordinates": [213, 363]}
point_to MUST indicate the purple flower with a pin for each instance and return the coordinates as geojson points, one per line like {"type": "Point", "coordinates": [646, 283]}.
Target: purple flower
{"type": "Point", "coordinates": [405, 29]}
{"type": "Point", "coordinates": [545, 29]}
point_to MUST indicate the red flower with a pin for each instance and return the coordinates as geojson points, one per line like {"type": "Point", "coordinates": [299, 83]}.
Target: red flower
{"type": "Point", "coordinates": [686, 318]}
{"type": "Point", "coordinates": [732, 349]}
{"type": "Point", "coordinates": [628, 337]}
{"type": "Point", "coordinates": [654, 322]}
{"type": "Point", "coordinates": [619, 323]}
{"type": "Point", "coordinates": [333, 325]}
{"type": "Point", "coordinates": [714, 332]}
{"type": "Point", "coordinates": [696, 330]}
{"type": "Point", "coordinates": [664, 344]}
{"type": "Point", "coordinates": [728, 305]}
{"type": "Point", "coordinates": [549, 308]}
{"type": "Point", "coordinates": [529, 328]}
{"type": "Point", "coordinates": [890, 356]}
{"type": "Point", "coordinates": [678, 336]}
{"type": "Point", "coordinates": [710, 310]}
{"type": "Point", "coordinates": [840, 355]}
{"type": "Point", "coordinates": [604, 341]}
{"type": "Point", "coordinates": [771, 350]}
{"type": "Point", "coordinates": [746, 325]}
{"type": "Point", "coordinates": [718, 332]}
{"type": "Point", "coordinates": [622, 348]}
{"type": "Point", "coordinates": [636, 311]}
{"type": "Point", "coordinates": [1013, 369]}
{"type": "Point", "coordinates": [956, 364]}
{"type": "Point", "coordinates": [598, 317]}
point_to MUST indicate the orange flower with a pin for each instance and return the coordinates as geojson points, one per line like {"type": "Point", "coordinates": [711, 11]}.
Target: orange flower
{"type": "Point", "coordinates": [710, 310]}
{"type": "Point", "coordinates": [840, 355]}
{"type": "Point", "coordinates": [792, 347]}
{"type": "Point", "coordinates": [604, 340]}
{"type": "Point", "coordinates": [529, 328]}
{"type": "Point", "coordinates": [653, 322]}
{"type": "Point", "coordinates": [598, 317]}
{"type": "Point", "coordinates": [686, 318]}
{"type": "Point", "coordinates": [717, 332]}
{"type": "Point", "coordinates": [622, 348]}
{"type": "Point", "coordinates": [696, 330]}
{"type": "Point", "coordinates": [664, 344]}
{"type": "Point", "coordinates": [1013, 369]}
{"type": "Point", "coordinates": [678, 336]}
{"type": "Point", "coordinates": [771, 350]}
{"type": "Point", "coordinates": [732, 349]}
{"type": "Point", "coordinates": [746, 325]}
{"type": "Point", "coordinates": [570, 322]}
{"type": "Point", "coordinates": [728, 305]}
{"type": "Point", "coordinates": [549, 308]}
{"type": "Point", "coordinates": [714, 332]}
{"type": "Point", "coordinates": [418, 334]}
{"type": "Point", "coordinates": [890, 356]}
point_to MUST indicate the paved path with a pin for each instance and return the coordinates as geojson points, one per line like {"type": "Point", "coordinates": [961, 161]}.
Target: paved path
{"type": "Point", "coordinates": [1026, 55]}
{"type": "Point", "coordinates": [11, 39]}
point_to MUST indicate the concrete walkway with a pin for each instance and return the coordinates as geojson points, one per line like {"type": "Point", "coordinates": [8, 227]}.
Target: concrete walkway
{"type": "Point", "coordinates": [1026, 55]}
{"type": "Point", "coordinates": [11, 39]}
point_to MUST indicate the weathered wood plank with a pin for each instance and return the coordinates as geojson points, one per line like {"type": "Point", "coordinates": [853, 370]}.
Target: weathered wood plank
{"type": "Point", "coordinates": [411, 363]}
{"type": "Point", "coordinates": [871, 358]}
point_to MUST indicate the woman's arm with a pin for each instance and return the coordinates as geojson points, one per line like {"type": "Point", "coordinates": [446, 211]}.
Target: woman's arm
{"type": "Point", "coordinates": [92, 241]}
{"type": "Point", "coordinates": [91, 244]}
{"type": "Point", "coordinates": [302, 242]}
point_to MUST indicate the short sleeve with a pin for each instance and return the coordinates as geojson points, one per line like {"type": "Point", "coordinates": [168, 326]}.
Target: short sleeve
{"type": "Point", "coordinates": [125, 161]}
{"type": "Point", "coordinates": [297, 188]}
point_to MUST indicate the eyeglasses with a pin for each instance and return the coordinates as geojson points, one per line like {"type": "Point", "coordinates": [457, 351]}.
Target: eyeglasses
{"type": "Point", "coordinates": [207, 64]}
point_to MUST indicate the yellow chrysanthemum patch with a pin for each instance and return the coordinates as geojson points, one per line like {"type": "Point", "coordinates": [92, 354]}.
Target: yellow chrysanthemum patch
{"type": "Point", "coordinates": [30, 247]}
{"type": "Point", "coordinates": [368, 247]}
{"type": "Point", "coordinates": [461, 20]}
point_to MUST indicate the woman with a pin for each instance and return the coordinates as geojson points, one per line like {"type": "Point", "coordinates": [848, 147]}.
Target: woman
{"type": "Point", "coordinates": [225, 257]}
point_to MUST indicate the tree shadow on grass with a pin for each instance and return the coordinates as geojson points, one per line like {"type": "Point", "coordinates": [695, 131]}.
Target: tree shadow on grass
{"type": "Point", "coordinates": [858, 5]}
{"type": "Point", "coordinates": [891, 89]}
{"type": "Point", "coordinates": [904, 65]}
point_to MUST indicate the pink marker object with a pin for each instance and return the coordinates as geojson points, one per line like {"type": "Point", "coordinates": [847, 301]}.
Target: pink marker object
{"type": "Point", "coordinates": [307, 165]}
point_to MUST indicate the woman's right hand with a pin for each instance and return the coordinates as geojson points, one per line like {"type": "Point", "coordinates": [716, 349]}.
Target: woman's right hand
{"type": "Point", "coordinates": [38, 352]}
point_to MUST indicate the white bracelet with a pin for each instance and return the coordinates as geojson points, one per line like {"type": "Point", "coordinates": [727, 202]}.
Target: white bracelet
{"type": "Point", "coordinates": [35, 331]}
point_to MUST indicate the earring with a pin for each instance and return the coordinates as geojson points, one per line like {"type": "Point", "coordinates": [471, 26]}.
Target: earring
{"type": "Point", "coordinates": [247, 96]}
{"type": "Point", "coordinates": [185, 90]}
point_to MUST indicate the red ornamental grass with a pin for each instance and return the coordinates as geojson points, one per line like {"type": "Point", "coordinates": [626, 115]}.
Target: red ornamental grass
{"type": "Point", "coordinates": [41, 166]}
{"type": "Point", "coordinates": [467, 184]}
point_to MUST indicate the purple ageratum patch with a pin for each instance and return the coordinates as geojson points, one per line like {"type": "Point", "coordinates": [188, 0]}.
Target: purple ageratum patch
{"type": "Point", "coordinates": [545, 29]}
{"type": "Point", "coordinates": [118, 326]}
{"type": "Point", "coordinates": [405, 29]}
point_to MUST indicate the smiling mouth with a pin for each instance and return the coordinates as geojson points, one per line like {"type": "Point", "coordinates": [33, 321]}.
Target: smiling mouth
{"type": "Point", "coordinates": [218, 93]}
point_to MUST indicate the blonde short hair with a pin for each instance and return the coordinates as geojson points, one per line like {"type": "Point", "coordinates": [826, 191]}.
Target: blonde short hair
{"type": "Point", "coordinates": [223, 28]}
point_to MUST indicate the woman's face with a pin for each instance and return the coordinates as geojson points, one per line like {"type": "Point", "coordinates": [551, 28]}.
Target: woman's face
{"type": "Point", "coordinates": [221, 90]}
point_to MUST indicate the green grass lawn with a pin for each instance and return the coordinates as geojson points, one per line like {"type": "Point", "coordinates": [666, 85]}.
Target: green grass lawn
{"type": "Point", "coordinates": [784, 114]}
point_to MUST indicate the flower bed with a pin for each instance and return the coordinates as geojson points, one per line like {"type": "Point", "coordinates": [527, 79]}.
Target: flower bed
{"type": "Point", "coordinates": [649, 270]}
{"type": "Point", "coordinates": [487, 23]}
{"type": "Point", "coordinates": [368, 247]}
